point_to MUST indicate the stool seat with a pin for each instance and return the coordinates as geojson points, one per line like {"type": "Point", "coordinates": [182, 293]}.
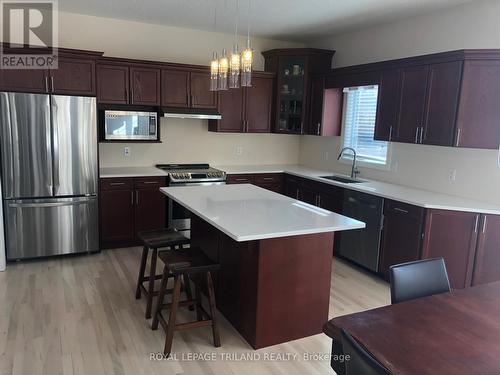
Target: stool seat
{"type": "Point", "coordinates": [162, 238]}
{"type": "Point", "coordinates": [187, 261]}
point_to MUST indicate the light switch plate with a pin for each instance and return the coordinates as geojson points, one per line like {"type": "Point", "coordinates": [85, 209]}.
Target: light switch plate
{"type": "Point", "coordinates": [238, 150]}
{"type": "Point", "coordinates": [126, 151]}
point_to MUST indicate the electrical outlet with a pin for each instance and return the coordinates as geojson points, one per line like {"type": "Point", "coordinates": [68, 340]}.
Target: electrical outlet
{"type": "Point", "coordinates": [126, 151]}
{"type": "Point", "coordinates": [238, 150]}
{"type": "Point", "coordinates": [452, 175]}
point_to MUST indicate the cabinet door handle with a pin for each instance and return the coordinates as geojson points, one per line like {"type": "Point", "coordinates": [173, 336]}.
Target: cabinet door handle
{"type": "Point", "coordinates": [476, 224]}
{"type": "Point", "coordinates": [150, 182]}
{"type": "Point", "coordinates": [400, 210]}
{"type": "Point", "coordinates": [459, 133]}
{"type": "Point", "coordinates": [421, 134]}
{"type": "Point", "coordinates": [484, 223]}
{"type": "Point", "coordinates": [52, 83]}
{"type": "Point", "coordinates": [297, 194]}
{"type": "Point", "coordinates": [319, 129]}
{"type": "Point", "coordinates": [46, 83]}
{"type": "Point", "coordinates": [131, 197]}
{"type": "Point", "coordinates": [116, 183]}
{"type": "Point", "coordinates": [416, 134]}
{"type": "Point", "coordinates": [390, 133]}
{"type": "Point", "coordinates": [319, 201]}
{"type": "Point", "coordinates": [241, 179]}
{"type": "Point", "coordinates": [192, 99]}
{"type": "Point", "coordinates": [268, 178]}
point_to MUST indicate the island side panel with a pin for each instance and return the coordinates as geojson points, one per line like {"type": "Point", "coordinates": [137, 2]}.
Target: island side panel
{"type": "Point", "coordinates": [293, 287]}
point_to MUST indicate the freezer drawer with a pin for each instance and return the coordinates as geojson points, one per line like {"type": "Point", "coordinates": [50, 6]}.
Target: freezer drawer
{"type": "Point", "coordinates": [43, 227]}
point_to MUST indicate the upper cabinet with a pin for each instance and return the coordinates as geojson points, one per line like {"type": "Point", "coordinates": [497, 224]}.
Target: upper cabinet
{"type": "Point", "coordinates": [325, 115]}
{"type": "Point", "coordinates": [248, 109]}
{"type": "Point", "coordinates": [128, 84]}
{"type": "Point", "coordinates": [478, 122]}
{"type": "Point", "coordinates": [74, 75]}
{"type": "Point", "coordinates": [187, 89]}
{"type": "Point", "coordinates": [294, 69]}
{"type": "Point", "coordinates": [445, 99]}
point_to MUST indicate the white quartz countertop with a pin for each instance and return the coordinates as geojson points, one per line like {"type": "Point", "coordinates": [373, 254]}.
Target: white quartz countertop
{"type": "Point", "coordinates": [110, 172]}
{"type": "Point", "coordinates": [246, 212]}
{"type": "Point", "coordinates": [417, 197]}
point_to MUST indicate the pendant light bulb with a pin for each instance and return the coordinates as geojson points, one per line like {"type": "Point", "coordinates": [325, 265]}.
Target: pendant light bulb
{"type": "Point", "coordinates": [223, 70]}
{"type": "Point", "coordinates": [234, 69]}
{"type": "Point", "coordinates": [246, 65]}
{"type": "Point", "coordinates": [214, 72]}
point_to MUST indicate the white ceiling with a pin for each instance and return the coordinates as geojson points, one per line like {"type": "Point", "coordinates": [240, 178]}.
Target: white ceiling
{"type": "Point", "coordinates": [300, 20]}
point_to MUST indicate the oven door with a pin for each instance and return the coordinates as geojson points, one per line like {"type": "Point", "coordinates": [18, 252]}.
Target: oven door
{"type": "Point", "coordinates": [179, 217]}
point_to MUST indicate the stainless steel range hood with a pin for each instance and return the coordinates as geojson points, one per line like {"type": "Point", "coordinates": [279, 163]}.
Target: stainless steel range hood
{"type": "Point", "coordinates": [191, 113]}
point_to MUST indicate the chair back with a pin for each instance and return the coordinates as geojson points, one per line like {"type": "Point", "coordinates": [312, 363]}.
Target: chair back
{"type": "Point", "coordinates": [418, 279]}
{"type": "Point", "coordinates": [360, 361]}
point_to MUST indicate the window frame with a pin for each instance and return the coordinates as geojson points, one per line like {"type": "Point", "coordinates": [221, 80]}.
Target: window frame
{"type": "Point", "coordinates": [347, 157]}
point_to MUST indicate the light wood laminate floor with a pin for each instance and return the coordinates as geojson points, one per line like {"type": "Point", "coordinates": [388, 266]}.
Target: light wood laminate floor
{"type": "Point", "coordinates": [78, 315]}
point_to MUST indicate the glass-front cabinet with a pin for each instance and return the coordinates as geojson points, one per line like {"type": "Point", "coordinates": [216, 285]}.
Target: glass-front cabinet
{"type": "Point", "coordinates": [291, 94]}
{"type": "Point", "coordinates": [294, 68]}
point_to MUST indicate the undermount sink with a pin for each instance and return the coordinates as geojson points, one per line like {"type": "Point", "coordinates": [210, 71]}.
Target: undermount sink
{"type": "Point", "coordinates": [345, 180]}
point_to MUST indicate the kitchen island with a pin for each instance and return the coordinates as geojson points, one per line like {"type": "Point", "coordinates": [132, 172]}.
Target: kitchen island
{"type": "Point", "coordinates": [275, 254]}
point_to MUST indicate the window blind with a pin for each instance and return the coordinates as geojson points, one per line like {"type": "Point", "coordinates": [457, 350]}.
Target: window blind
{"type": "Point", "coordinates": [360, 112]}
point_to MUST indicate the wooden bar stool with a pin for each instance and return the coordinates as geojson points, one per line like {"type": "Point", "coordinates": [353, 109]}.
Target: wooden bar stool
{"type": "Point", "coordinates": [154, 240]}
{"type": "Point", "coordinates": [188, 262]}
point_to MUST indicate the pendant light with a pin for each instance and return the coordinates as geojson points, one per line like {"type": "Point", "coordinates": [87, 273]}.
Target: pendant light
{"type": "Point", "coordinates": [234, 64]}
{"type": "Point", "coordinates": [214, 63]}
{"type": "Point", "coordinates": [247, 57]}
{"type": "Point", "coordinates": [223, 70]}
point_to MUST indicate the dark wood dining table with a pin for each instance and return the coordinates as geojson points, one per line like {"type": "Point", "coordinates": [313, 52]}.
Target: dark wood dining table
{"type": "Point", "coordinates": [450, 333]}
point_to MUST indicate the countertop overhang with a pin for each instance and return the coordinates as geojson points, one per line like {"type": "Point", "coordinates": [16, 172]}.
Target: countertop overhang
{"type": "Point", "coordinates": [247, 213]}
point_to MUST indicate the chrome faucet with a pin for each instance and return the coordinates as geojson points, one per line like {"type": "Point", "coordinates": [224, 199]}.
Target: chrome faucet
{"type": "Point", "coordinates": [354, 170]}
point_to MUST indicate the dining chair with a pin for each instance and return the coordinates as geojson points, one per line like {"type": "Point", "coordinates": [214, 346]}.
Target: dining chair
{"type": "Point", "coordinates": [418, 279]}
{"type": "Point", "coordinates": [360, 362]}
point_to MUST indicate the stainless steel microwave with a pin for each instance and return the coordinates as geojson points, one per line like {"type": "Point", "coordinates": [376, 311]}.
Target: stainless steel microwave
{"type": "Point", "coordinates": [130, 125]}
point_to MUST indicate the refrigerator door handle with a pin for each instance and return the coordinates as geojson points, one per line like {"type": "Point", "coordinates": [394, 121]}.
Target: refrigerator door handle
{"type": "Point", "coordinates": [51, 202]}
{"type": "Point", "coordinates": [55, 148]}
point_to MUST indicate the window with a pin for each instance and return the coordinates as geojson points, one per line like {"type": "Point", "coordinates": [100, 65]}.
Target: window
{"type": "Point", "coordinates": [358, 123]}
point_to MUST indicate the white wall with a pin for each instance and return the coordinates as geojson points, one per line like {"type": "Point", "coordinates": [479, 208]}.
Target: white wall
{"type": "Point", "coordinates": [472, 25]}
{"type": "Point", "coordinates": [183, 140]}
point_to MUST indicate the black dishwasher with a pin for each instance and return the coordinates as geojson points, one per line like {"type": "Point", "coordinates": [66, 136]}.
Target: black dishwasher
{"type": "Point", "coordinates": [362, 246]}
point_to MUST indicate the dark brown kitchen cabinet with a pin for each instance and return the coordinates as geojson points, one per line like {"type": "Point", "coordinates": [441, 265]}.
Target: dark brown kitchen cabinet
{"type": "Point", "coordinates": [325, 117]}
{"type": "Point", "coordinates": [443, 91]}
{"type": "Point", "coordinates": [487, 264]}
{"type": "Point", "coordinates": [145, 86]}
{"type": "Point", "coordinates": [316, 193]}
{"type": "Point", "coordinates": [125, 84]}
{"type": "Point", "coordinates": [74, 76]}
{"type": "Point", "coordinates": [129, 205]}
{"type": "Point", "coordinates": [294, 68]}
{"type": "Point", "coordinates": [258, 99]}
{"type": "Point", "coordinates": [248, 109]}
{"type": "Point", "coordinates": [116, 204]}
{"type": "Point", "coordinates": [269, 181]}
{"type": "Point", "coordinates": [175, 88]}
{"type": "Point", "coordinates": [36, 80]}
{"type": "Point", "coordinates": [231, 103]}
{"type": "Point", "coordinates": [453, 236]}
{"type": "Point", "coordinates": [413, 83]}
{"type": "Point", "coordinates": [478, 120]}
{"type": "Point", "coordinates": [113, 84]}
{"type": "Point", "coordinates": [388, 105]}
{"type": "Point", "coordinates": [183, 88]}
{"type": "Point", "coordinates": [402, 235]}
{"type": "Point", "coordinates": [201, 96]}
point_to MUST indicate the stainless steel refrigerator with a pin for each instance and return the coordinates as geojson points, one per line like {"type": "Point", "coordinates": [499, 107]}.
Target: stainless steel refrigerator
{"type": "Point", "coordinates": [49, 174]}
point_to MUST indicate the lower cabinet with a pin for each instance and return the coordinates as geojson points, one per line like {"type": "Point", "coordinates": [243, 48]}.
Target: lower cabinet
{"type": "Point", "coordinates": [269, 181]}
{"type": "Point", "coordinates": [401, 236]}
{"type": "Point", "coordinates": [487, 264]}
{"type": "Point", "coordinates": [128, 206]}
{"type": "Point", "coordinates": [322, 195]}
{"type": "Point", "coordinates": [453, 236]}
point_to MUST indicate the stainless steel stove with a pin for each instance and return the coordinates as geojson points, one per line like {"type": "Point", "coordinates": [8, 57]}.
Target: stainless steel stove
{"type": "Point", "coordinates": [188, 175]}
{"type": "Point", "coordinates": [192, 174]}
